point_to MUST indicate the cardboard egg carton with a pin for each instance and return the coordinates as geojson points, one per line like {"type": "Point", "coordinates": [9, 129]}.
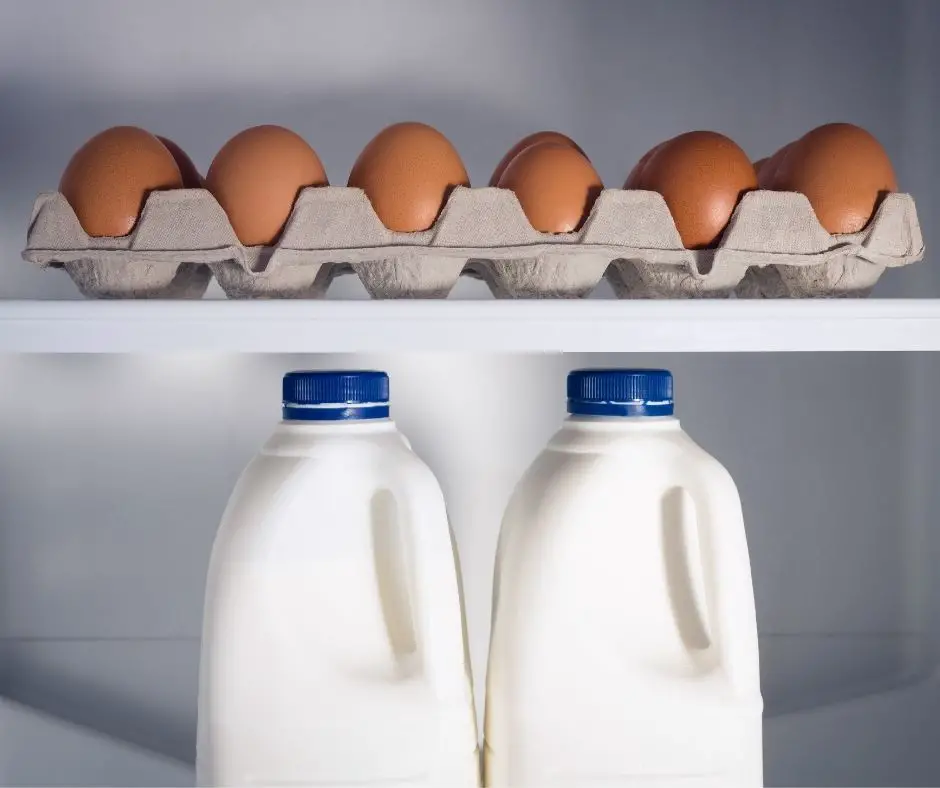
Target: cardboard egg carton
{"type": "Point", "coordinates": [773, 247]}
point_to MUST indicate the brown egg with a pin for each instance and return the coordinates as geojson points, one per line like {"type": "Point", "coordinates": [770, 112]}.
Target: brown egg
{"type": "Point", "coordinates": [635, 178]}
{"type": "Point", "coordinates": [702, 176]}
{"type": "Point", "coordinates": [843, 171]}
{"type": "Point", "coordinates": [556, 186]}
{"type": "Point", "coordinates": [527, 142]}
{"type": "Point", "coordinates": [408, 171]}
{"type": "Point", "coordinates": [256, 178]}
{"type": "Point", "coordinates": [191, 177]}
{"type": "Point", "coordinates": [767, 171]}
{"type": "Point", "coordinates": [108, 179]}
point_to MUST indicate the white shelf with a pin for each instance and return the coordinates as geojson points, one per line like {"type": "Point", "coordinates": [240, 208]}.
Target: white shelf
{"type": "Point", "coordinates": [510, 326]}
{"type": "Point", "coordinates": [831, 753]}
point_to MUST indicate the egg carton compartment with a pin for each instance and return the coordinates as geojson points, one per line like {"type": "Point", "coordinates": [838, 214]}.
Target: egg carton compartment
{"type": "Point", "coordinates": [773, 247]}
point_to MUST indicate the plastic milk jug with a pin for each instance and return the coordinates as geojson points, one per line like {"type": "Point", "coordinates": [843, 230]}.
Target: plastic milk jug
{"type": "Point", "coordinates": [333, 647]}
{"type": "Point", "coordinates": [624, 644]}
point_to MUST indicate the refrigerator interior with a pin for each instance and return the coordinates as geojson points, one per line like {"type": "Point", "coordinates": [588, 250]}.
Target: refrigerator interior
{"type": "Point", "coordinates": [114, 469]}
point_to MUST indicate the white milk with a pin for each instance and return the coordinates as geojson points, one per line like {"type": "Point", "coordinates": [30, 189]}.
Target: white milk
{"type": "Point", "coordinates": [333, 645]}
{"type": "Point", "coordinates": [624, 645]}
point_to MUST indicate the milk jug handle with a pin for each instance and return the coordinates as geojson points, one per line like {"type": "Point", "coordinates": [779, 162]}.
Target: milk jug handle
{"type": "Point", "coordinates": [729, 596]}
{"type": "Point", "coordinates": [432, 578]}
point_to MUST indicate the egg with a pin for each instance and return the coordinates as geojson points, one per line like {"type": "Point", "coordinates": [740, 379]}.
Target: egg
{"type": "Point", "coordinates": [108, 179]}
{"type": "Point", "coordinates": [528, 142]}
{"type": "Point", "coordinates": [555, 185]}
{"type": "Point", "coordinates": [408, 171]}
{"type": "Point", "coordinates": [843, 171]}
{"type": "Point", "coordinates": [635, 178]}
{"type": "Point", "coordinates": [191, 177]}
{"type": "Point", "coordinates": [767, 168]}
{"type": "Point", "coordinates": [256, 178]}
{"type": "Point", "coordinates": [702, 176]}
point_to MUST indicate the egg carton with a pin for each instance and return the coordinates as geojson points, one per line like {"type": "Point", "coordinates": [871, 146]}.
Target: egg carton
{"type": "Point", "coordinates": [773, 247]}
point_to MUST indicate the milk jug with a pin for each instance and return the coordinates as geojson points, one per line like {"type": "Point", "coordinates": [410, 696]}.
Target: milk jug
{"type": "Point", "coordinates": [624, 643]}
{"type": "Point", "coordinates": [333, 647]}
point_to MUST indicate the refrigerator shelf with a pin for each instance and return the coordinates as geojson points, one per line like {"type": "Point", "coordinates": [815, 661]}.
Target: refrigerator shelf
{"type": "Point", "coordinates": [84, 756]}
{"type": "Point", "coordinates": [468, 326]}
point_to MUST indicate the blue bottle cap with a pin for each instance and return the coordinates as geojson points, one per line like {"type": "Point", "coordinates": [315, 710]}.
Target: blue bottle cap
{"type": "Point", "coordinates": [335, 395]}
{"type": "Point", "coordinates": [620, 392]}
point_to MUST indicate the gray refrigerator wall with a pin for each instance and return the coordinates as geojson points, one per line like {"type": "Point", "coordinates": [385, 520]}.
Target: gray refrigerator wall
{"type": "Point", "coordinates": [114, 470]}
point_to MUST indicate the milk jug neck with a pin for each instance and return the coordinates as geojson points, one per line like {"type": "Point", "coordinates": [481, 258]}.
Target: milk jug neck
{"type": "Point", "coordinates": [620, 424]}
